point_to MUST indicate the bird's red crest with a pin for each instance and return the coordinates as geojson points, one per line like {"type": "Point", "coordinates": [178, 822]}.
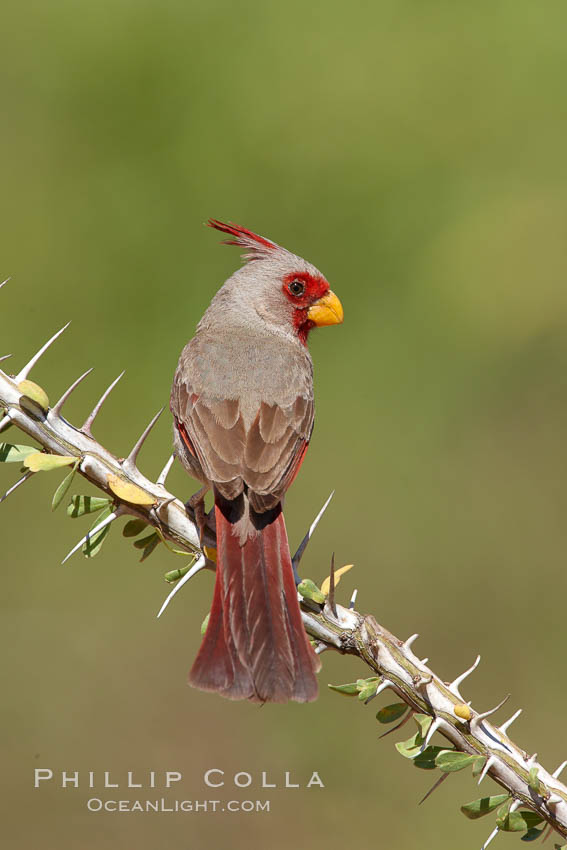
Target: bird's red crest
{"type": "Point", "coordinates": [257, 247]}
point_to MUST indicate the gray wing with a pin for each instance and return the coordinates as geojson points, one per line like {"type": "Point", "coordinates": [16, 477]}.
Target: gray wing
{"type": "Point", "coordinates": [263, 455]}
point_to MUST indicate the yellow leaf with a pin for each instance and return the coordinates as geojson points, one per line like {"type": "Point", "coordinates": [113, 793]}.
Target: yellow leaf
{"type": "Point", "coordinates": [338, 573]}
{"type": "Point", "coordinates": [129, 492]}
{"type": "Point", "coordinates": [463, 711]}
{"type": "Point", "coordinates": [40, 462]}
{"type": "Point", "coordinates": [35, 392]}
{"type": "Point", "coordinates": [210, 553]}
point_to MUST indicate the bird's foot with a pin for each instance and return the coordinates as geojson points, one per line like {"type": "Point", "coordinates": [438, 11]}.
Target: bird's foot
{"type": "Point", "coordinates": [196, 507]}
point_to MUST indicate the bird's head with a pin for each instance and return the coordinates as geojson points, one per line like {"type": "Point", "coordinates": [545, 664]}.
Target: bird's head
{"type": "Point", "coordinates": [283, 289]}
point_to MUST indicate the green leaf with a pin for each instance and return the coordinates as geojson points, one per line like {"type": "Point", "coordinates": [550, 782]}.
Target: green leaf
{"type": "Point", "coordinates": [532, 834]}
{"type": "Point", "coordinates": [367, 687]}
{"type": "Point", "coordinates": [174, 575]}
{"type": "Point", "coordinates": [426, 759]}
{"type": "Point", "coordinates": [63, 487]}
{"type": "Point", "coordinates": [504, 808]}
{"type": "Point", "coordinates": [411, 748]}
{"type": "Point", "coordinates": [143, 541]}
{"type": "Point", "coordinates": [451, 760]}
{"type": "Point", "coordinates": [390, 713]}
{"type": "Point", "coordinates": [350, 690]}
{"type": "Point", "coordinates": [533, 780]}
{"type": "Point", "coordinates": [478, 766]}
{"type": "Point", "coordinates": [309, 590]}
{"type": "Point", "coordinates": [483, 806]}
{"type": "Point", "coordinates": [15, 454]}
{"type": "Point", "coordinates": [148, 544]}
{"type": "Point", "coordinates": [94, 544]}
{"type": "Point", "coordinates": [134, 527]}
{"type": "Point", "coordinates": [423, 723]}
{"type": "Point", "coordinates": [81, 505]}
{"type": "Point", "coordinates": [518, 821]}
{"type": "Point", "coordinates": [41, 462]}
{"type": "Point", "coordinates": [205, 623]}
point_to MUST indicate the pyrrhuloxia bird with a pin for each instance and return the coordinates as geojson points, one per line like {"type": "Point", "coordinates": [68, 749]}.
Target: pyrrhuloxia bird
{"type": "Point", "coordinates": [242, 401]}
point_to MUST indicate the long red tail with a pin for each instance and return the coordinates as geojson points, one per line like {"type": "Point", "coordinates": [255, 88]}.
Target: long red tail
{"type": "Point", "coordinates": [255, 646]}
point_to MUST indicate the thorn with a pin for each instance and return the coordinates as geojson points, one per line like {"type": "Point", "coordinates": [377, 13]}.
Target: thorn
{"type": "Point", "coordinates": [409, 714]}
{"type": "Point", "coordinates": [166, 502]}
{"type": "Point", "coordinates": [23, 373]}
{"type": "Point", "coordinates": [321, 647]}
{"type": "Point", "coordinates": [454, 686]}
{"type": "Point", "coordinates": [489, 762]}
{"type": "Point", "coordinates": [86, 429]}
{"type": "Point", "coordinates": [302, 546]}
{"type": "Point", "coordinates": [432, 730]}
{"type": "Point", "coordinates": [495, 831]}
{"type": "Point", "coordinates": [56, 409]}
{"type": "Point", "coordinates": [352, 600]}
{"type": "Point", "coordinates": [165, 471]}
{"type": "Point", "coordinates": [492, 835]}
{"type": "Point", "coordinates": [434, 787]}
{"type": "Point", "coordinates": [559, 770]}
{"type": "Point", "coordinates": [532, 760]}
{"type": "Point", "coordinates": [197, 567]}
{"type": "Point", "coordinates": [410, 640]}
{"type": "Point", "coordinates": [4, 282]}
{"type": "Point", "coordinates": [331, 596]}
{"type": "Point", "coordinates": [509, 722]}
{"type": "Point", "coordinates": [554, 800]}
{"type": "Point", "coordinates": [424, 660]}
{"type": "Point", "coordinates": [6, 421]}
{"type": "Point", "coordinates": [5, 357]}
{"type": "Point", "coordinates": [110, 518]}
{"type": "Point", "coordinates": [478, 718]}
{"type": "Point", "coordinates": [129, 464]}
{"type": "Point", "coordinates": [16, 485]}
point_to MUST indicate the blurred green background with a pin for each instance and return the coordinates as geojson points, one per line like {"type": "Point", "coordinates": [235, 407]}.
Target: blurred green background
{"type": "Point", "coordinates": [415, 152]}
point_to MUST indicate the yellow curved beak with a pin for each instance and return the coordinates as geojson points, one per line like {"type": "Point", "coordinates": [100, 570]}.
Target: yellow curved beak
{"type": "Point", "coordinates": [328, 310]}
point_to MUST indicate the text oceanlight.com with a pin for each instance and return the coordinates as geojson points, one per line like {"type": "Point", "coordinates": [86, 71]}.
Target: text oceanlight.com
{"type": "Point", "coordinates": [192, 806]}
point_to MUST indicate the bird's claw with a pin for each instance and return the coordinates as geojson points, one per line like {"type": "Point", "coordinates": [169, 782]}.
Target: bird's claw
{"type": "Point", "coordinates": [195, 507]}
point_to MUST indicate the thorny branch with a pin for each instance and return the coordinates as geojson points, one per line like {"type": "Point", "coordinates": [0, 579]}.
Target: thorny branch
{"type": "Point", "coordinates": [330, 624]}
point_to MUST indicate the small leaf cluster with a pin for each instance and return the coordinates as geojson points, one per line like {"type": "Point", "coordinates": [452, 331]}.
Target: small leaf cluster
{"type": "Point", "coordinates": [430, 757]}
{"type": "Point", "coordinates": [364, 688]}
{"type": "Point", "coordinates": [80, 506]}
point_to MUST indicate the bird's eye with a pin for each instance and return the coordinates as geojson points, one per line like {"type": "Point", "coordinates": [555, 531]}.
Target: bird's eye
{"type": "Point", "coordinates": [296, 288]}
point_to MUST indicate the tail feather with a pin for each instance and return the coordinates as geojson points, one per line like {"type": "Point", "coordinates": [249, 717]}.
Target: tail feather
{"type": "Point", "coordinates": [217, 666]}
{"type": "Point", "coordinates": [255, 646]}
{"type": "Point", "coordinates": [269, 651]}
